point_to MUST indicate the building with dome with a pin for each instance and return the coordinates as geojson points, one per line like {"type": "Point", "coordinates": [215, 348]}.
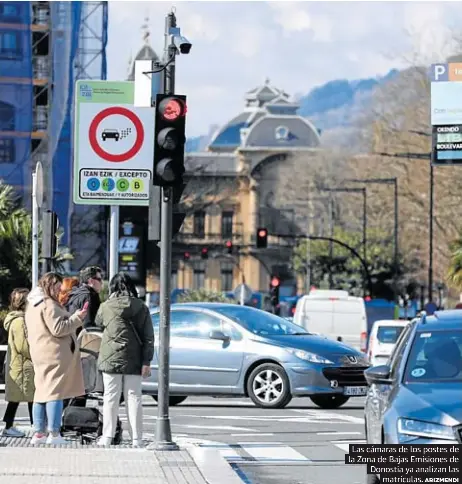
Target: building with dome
{"type": "Point", "coordinates": [246, 177]}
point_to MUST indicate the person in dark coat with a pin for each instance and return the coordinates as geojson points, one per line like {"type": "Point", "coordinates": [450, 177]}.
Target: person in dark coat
{"type": "Point", "coordinates": [91, 283]}
{"type": "Point", "coordinates": [127, 348]}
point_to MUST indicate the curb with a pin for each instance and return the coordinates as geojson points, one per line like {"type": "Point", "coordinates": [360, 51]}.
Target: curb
{"type": "Point", "coordinates": [212, 465]}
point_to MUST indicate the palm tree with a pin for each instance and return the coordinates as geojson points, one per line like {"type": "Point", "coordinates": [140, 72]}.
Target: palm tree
{"type": "Point", "coordinates": [455, 266]}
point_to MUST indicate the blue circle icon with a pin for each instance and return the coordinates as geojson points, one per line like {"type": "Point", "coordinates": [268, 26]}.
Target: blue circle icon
{"type": "Point", "coordinates": [93, 184]}
{"type": "Point", "coordinates": [108, 184]}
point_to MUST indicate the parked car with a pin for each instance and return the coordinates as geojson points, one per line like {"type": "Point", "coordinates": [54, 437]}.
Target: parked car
{"type": "Point", "coordinates": [334, 314]}
{"type": "Point", "coordinates": [229, 350]}
{"type": "Point", "coordinates": [384, 335]}
{"type": "Point", "coordinates": [416, 397]}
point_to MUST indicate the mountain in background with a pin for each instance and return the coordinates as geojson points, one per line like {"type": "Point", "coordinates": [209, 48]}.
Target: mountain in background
{"type": "Point", "coordinates": [332, 108]}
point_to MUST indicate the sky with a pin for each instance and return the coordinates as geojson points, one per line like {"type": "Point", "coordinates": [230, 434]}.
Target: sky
{"type": "Point", "coordinates": [297, 45]}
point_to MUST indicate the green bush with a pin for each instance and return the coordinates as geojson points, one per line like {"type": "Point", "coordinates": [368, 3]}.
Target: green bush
{"type": "Point", "coordinates": [202, 295]}
{"type": "Point", "coordinates": [3, 333]}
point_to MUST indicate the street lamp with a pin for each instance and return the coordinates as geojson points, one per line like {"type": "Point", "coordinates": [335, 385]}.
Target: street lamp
{"type": "Point", "coordinates": [348, 190]}
{"type": "Point", "coordinates": [388, 181]}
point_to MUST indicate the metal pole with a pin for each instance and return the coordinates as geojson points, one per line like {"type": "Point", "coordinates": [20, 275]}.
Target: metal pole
{"type": "Point", "coordinates": [396, 255]}
{"type": "Point", "coordinates": [114, 242]}
{"type": "Point", "coordinates": [163, 429]}
{"type": "Point", "coordinates": [331, 244]}
{"type": "Point", "coordinates": [242, 296]}
{"type": "Point", "coordinates": [430, 222]}
{"type": "Point", "coordinates": [35, 227]}
{"type": "Point", "coordinates": [308, 252]}
{"type": "Point", "coordinates": [365, 238]}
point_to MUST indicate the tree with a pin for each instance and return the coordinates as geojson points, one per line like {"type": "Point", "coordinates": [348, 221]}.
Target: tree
{"type": "Point", "coordinates": [202, 295]}
{"type": "Point", "coordinates": [454, 276]}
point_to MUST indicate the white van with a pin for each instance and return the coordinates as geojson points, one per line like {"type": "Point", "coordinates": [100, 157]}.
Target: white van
{"type": "Point", "coordinates": [384, 335]}
{"type": "Point", "coordinates": [334, 314]}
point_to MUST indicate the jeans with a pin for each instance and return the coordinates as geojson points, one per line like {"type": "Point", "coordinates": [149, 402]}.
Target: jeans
{"type": "Point", "coordinates": [131, 387]}
{"type": "Point", "coordinates": [49, 412]}
{"type": "Point", "coordinates": [10, 413]}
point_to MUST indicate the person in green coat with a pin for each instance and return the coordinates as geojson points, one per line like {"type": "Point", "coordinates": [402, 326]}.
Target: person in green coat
{"type": "Point", "coordinates": [125, 355]}
{"type": "Point", "coordinates": [19, 371]}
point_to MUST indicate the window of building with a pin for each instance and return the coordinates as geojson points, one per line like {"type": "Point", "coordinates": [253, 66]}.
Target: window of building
{"type": "Point", "coordinates": [9, 12]}
{"type": "Point", "coordinates": [227, 224]}
{"type": "Point", "coordinates": [10, 45]}
{"type": "Point", "coordinates": [199, 223]}
{"type": "Point", "coordinates": [6, 150]}
{"type": "Point", "coordinates": [199, 276]}
{"type": "Point", "coordinates": [227, 276]}
{"type": "Point", "coordinates": [7, 121]}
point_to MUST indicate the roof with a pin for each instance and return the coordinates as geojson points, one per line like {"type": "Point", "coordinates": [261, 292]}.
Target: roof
{"type": "Point", "coordinates": [442, 320]}
{"type": "Point", "coordinates": [211, 164]}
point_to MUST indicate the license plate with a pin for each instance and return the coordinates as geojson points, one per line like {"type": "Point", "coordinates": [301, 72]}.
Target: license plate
{"type": "Point", "coordinates": [355, 391]}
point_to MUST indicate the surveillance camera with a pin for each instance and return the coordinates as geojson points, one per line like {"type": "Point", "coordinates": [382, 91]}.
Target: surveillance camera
{"type": "Point", "coordinates": [182, 43]}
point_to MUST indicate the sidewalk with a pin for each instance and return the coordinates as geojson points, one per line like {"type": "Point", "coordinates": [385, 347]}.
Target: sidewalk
{"type": "Point", "coordinates": [21, 463]}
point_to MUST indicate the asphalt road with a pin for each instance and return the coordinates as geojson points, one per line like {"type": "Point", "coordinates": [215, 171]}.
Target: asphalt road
{"type": "Point", "coordinates": [301, 444]}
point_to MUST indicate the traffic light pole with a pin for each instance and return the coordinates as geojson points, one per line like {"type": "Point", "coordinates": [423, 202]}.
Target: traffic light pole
{"type": "Point", "coordinates": [163, 428]}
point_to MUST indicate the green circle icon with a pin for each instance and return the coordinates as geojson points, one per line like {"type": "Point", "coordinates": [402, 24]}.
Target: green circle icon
{"type": "Point", "coordinates": [122, 185]}
{"type": "Point", "coordinates": [108, 184]}
{"type": "Point", "coordinates": [137, 185]}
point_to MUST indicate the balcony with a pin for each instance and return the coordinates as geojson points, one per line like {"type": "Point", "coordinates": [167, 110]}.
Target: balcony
{"type": "Point", "coordinates": [211, 239]}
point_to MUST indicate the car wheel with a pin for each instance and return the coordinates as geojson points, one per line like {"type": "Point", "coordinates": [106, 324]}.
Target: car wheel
{"type": "Point", "coordinates": [372, 479]}
{"type": "Point", "coordinates": [174, 400]}
{"type": "Point", "coordinates": [269, 387]}
{"type": "Point", "coordinates": [329, 401]}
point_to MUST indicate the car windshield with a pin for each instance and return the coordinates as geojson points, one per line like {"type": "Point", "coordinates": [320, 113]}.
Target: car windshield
{"type": "Point", "coordinates": [260, 322]}
{"type": "Point", "coordinates": [389, 334]}
{"type": "Point", "coordinates": [436, 356]}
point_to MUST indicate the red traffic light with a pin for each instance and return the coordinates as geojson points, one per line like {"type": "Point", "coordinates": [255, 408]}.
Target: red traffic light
{"type": "Point", "coordinates": [262, 233]}
{"type": "Point", "coordinates": [275, 282]}
{"type": "Point", "coordinates": [171, 109]}
{"type": "Point", "coordinates": [186, 256]}
{"type": "Point", "coordinates": [205, 250]}
{"type": "Point", "coordinates": [229, 244]}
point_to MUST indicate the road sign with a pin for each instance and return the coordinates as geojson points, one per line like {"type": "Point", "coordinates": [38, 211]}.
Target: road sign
{"type": "Point", "coordinates": [243, 293]}
{"type": "Point", "coordinates": [446, 113]}
{"type": "Point", "coordinates": [113, 145]}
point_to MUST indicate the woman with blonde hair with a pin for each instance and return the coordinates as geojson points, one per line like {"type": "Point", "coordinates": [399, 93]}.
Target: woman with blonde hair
{"type": "Point", "coordinates": [19, 374]}
{"type": "Point", "coordinates": [58, 370]}
{"type": "Point", "coordinates": [68, 284]}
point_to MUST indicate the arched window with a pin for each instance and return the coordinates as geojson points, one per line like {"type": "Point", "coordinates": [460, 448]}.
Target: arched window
{"type": "Point", "coordinates": [7, 115]}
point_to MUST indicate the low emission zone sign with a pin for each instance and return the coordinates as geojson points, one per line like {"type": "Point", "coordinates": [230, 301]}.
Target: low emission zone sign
{"type": "Point", "coordinates": [446, 113]}
{"type": "Point", "coordinates": [113, 145]}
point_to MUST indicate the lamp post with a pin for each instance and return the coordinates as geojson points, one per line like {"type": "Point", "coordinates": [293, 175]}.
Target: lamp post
{"type": "Point", "coordinates": [348, 190]}
{"type": "Point", "coordinates": [388, 181]}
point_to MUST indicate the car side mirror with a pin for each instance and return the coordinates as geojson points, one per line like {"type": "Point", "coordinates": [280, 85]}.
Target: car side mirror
{"type": "Point", "coordinates": [379, 375]}
{"type": "Point", "coordinates": [219, 335]}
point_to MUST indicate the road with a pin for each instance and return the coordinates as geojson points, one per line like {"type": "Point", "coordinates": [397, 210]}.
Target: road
{"type": "Point", "coordinates": [301, 444]}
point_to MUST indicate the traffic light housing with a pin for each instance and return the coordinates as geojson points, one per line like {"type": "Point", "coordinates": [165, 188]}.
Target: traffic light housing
{"type": "Point", "coordinates": [205, 253]}
{"type": "Point", "coordinates": [262, 238]}
{"type": "Point", "coordinates": [229, 246]}
{"type": "Point", "coordinates": [169, 139]}
{"type": "Point", "coordinates": [274, 291]}
{"type": "Point", "coordinates": [50, 226]}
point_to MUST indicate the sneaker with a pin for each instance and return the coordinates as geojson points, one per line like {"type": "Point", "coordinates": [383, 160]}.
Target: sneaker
{"type": "Point", "coordinates": [137, 444]}
{"type": "Point", "coordinates": [13, 432]}
{"type": "Point", "coordinates": [56, 440]}
{"type": "Point", "coordinates": [104, 442]}
{"type": "Point", "coordinates": [38, 439]}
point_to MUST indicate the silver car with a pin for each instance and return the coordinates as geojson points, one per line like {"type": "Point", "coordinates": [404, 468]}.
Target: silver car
{"type": "Point", "coordinates": [229, 350]}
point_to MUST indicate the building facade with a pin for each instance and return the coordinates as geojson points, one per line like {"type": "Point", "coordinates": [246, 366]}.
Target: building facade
{"type": "Point", "coordinates": [44, 48]}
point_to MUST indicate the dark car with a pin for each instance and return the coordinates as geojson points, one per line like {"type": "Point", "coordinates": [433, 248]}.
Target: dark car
{"type": "Point", "coordinates": [416, 397]}
{"type": "Point", "coordinates": [230, 350]}
{"type": "Point", "coordinates": [110, 133]}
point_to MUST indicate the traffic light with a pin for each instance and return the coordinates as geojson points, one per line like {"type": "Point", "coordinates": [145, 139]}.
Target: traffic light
{"type": "Point", "coordinates": [274, 291]}
{"type": "Point", "coordinates": [170, 139]}
{"type": "Point", "coordinates": [229, 247]}
{"type": "Point", "coordinates": [205, 253]}
{"type": "Point", "coordinates": [50, 226]}
{"type": "Point", "coordinates": [262, 238]}
{"type": "Point", "coordinates": [186, 256]}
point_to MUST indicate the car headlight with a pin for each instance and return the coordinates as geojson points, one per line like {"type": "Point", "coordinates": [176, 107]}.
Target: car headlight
{"type": "Point", "coordinates": [311, 357]}
{"type": "Point", "coordinates": [409, 430]}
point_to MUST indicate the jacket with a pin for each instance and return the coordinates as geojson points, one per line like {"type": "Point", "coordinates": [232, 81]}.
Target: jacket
{"type": "Point", "coordinates": [128, 336]}
{"type": "Point", "coordinates": [19, 375]}
{"type": "Point", "coordinates": [78, 297]}
{"type": "Point", "coordinates": [55, 355]}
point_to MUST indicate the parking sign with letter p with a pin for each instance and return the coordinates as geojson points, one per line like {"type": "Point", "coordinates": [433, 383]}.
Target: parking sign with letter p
{"type": "Point", "coordinates": [439, 72]}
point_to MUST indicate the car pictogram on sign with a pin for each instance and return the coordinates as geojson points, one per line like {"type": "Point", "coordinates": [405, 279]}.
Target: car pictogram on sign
{"type": "Point", "coordinates": [110, 133]}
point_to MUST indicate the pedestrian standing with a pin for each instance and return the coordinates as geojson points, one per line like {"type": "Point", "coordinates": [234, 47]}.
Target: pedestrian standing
{"type": "Point", "coordinates": [19, 374]}
{"type": "Point", "coordinates": [56, 359]}
{"type": "Point", "coordinates": [126, 351]}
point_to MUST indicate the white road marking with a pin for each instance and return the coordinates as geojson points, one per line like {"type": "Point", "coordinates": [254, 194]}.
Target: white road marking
{"type": "Point", "coordinates": [217, 427]}
{"type": "Point", "coordinates": [252, 435]}
{"type": "Point", "coordinates": [272, 451]}
{"type": "Point", "coordinates": [338, 433]}
{"type": "Point", "coordinates": [345, 444]}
